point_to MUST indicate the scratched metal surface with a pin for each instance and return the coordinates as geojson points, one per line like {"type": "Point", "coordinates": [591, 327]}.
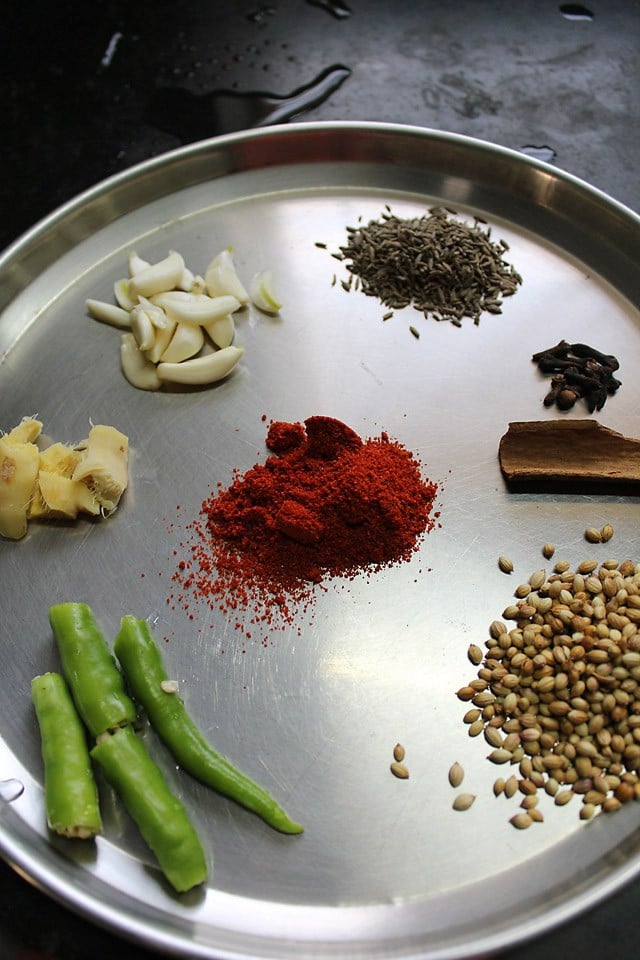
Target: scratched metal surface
{"type": "Point", "coordinates": [384, 868]}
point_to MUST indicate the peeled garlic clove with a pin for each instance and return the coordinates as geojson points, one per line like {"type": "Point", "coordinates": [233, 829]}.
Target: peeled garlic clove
{"type": "Point", "coordinates": [122, 294]}
{"type": "Point", "coordinates": [109, 313]}
{"type": "Point", "coordinates": [221, 331]}
{"type": "Point", "coordinates": [161, 342]}
{"type": "Point", "coordinates": [198, 286]}
{"type": "Point", "coordinates": [136, 264]}
{"type": "Point", "coordinates": [142, 328]}
{"type": "Point", "coordinates": [158, 277]}
{"type": "Point", "coordinates": [157, 315]}
{"type": "Point", "coordinates": [189, 308]}
{"type": "Point", "coordinates": [222, 278]}
{"type": "Point", "coordinates": [138, 370]}
{"type": "Point", "coordinates": [202, 370]}
{"type": "Point", "coordinates": [263, 294]}
{"type": "Point", "coordinates": [186, 280]}
{"type": "Point", "coordinates": [104, 465]}
{"type": "Point", "coordinates": [185, 343]}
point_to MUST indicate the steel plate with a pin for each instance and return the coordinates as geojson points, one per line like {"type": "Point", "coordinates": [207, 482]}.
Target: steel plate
{"type": "Point", "coordinates": [385, 868]}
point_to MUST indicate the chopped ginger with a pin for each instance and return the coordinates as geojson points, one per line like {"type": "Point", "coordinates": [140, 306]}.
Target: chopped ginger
{"type": "Point", "coordinates": [19, 464]}
{"type": "Point", "coordinates": [59, 482]}
{"type": "Point", "coordinates": [103, 465]}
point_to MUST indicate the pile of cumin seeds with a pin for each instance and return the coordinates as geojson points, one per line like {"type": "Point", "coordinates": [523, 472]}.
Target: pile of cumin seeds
{"type": "Point", "coordinates": [441, 265]}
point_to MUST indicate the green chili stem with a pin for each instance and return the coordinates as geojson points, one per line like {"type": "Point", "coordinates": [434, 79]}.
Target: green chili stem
{"type": "Point", "coordinates": [71, 795]}
{"type": "Point", "coordinates": [158, 814]}
{"type": "Point", "coordinates": [142, 664]}
{"type": "Point", "coordinates": [90, 670]}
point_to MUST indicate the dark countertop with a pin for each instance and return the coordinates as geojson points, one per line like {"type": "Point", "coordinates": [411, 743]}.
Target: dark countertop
{"type": "Point", "coordinates": [91, 89]}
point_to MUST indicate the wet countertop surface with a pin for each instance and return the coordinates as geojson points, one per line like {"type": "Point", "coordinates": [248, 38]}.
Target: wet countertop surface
{"type": "Point", "coordinates": [91, 89]}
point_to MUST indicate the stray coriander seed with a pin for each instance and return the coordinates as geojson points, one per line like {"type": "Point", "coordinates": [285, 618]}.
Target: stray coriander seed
{"type": "Point", "coordinates": [456, 774]}
{"type": "Point", "coordinates": [475, 654]}
{"type": "Point", "coordinates": [521, 821]}
{"type": "Point", "coordinates": [399, 770]}
{"type": "Point", "coordinates": [463, 801]}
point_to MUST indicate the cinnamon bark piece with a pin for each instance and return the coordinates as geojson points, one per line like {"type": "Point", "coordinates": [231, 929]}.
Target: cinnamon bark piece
{"type": "Point", "coordinates": [568, 452]}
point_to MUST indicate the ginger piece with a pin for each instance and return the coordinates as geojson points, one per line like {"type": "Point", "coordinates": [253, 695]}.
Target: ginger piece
{"type": "Point", "coordinates": [61, 497]}
{"type": "Point", "coordinates": [19, 463]}
{"type": "Point", "coordinates": [103, 466]}
{"type": "Point", "coordinates": [61, 460]}
{"type": "Point", "coordinates": [27, 431]}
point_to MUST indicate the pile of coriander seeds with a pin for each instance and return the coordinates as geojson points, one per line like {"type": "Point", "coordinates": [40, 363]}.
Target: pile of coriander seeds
{"type": "Point", "coordinates": [557, 692]}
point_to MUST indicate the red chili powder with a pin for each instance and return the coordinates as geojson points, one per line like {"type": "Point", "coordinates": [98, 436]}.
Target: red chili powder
{"type": "Point", "coordinates": [327, 504]}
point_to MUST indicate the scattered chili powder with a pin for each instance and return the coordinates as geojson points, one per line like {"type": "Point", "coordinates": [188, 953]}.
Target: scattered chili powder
{"type": "Point", "coordinates": [327, 504]}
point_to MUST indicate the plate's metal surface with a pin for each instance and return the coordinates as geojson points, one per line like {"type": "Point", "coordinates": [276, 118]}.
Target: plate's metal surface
{"type": "Point", "coordinates": [385, 868]}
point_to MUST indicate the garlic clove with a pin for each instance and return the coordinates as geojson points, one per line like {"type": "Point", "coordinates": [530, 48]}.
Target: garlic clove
{"type": "Point", "coordinates": [136, 264]}
{"type": "Point", "coordinates": [189, 308]}
{"type": "Point", "coordinates": [142, 328]}
{"type": "Point", "coordinates": [186, 280]}
{"type": "Point", "coordinates": [221, 331]}
{"type": "Point", "coordinates": [198, 286]}
{"type": "Point", "coordinates": [202, 370]}
{"type": "Point", "coordinates": [122, 294]}
{"type": "Point", "coordinates": [161, 342]}
{"type": "Point", "coordinates": [221, 278]}
{"type": "Point", "coordinates": [157, 315]}
{"type": "Point", "coordinates": [263, 294]}
{"type": "Point", "coordinates": [158, 277]}
{"type": "Point", "coordinates": [138, 370]}
{"type": "Point", "coordinates": [187, 340]}
{"type": "Point", "coordinates": [109, 313]}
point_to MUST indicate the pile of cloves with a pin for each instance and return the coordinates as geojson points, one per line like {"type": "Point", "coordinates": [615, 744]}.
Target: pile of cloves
{"type": "Point", "coordinates": [578, 371]}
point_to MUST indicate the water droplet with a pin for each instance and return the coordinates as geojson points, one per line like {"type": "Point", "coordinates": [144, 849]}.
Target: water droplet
{"type": "Point", "coordinates": [547, 154]}
{"type": "Point", "coordinates": [190, 116]}
{"type": "Point", "coordinates": [257, 16]}
{"type": "Point", "coordinates": [10, 790]}
{"type": "Point", "coordinates": [575, 11]}
{"type": "Point", "coordinates": [336, 8]}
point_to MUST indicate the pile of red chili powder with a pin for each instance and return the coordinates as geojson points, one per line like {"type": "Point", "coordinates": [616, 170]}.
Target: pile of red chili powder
{"type": "Point", "coordinates": [326, 504]}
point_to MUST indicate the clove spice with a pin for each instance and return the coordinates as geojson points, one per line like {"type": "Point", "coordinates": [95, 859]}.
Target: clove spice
{"type": "Point", "coordinates": [578, 371]}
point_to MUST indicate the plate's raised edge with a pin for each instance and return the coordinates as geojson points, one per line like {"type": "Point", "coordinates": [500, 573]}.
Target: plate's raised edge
{"type": "Point", "coordinates": [526, 179]}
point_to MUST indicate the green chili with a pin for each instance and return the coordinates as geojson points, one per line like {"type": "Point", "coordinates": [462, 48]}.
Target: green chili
{"type": "Point", "coordinates": [158, 814]}
{"type": "Point", "coordinates": [90, 670]}
{"type": "Point", "coordinates": [142, 664]}
{"type": "Point", "coordinates": [71, 795]}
